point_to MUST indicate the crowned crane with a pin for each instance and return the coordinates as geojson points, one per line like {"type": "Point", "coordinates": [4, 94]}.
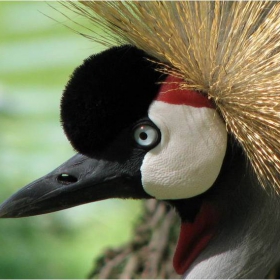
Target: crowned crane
{"type": "Point", "coordinates": [140, 134]}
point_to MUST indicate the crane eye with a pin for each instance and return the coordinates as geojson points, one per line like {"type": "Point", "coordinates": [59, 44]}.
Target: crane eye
{"type": "Point", "coordinates": [146, 135]}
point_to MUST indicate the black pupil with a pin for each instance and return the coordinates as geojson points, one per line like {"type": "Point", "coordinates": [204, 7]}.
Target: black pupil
{"type": "Point", "coordinates": [143, 135]}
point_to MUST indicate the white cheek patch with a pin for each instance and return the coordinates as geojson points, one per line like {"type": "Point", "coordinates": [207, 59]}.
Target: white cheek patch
{"type": "Point", "coordinates": [189, 157]}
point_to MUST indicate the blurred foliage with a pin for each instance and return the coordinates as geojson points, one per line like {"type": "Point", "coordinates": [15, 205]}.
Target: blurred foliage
{"type": "Point", "coordinates": [37, 55]}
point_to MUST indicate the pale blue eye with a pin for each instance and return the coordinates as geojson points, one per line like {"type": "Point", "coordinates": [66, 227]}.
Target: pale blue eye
{"type": "Point", "coordinates": [146, 135]}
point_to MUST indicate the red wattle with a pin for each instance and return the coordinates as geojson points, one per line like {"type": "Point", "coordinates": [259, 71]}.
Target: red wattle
{"type": "Point", "coordinates": [172, 94]}
{"type": "Point", "coordinates": [194, 237]}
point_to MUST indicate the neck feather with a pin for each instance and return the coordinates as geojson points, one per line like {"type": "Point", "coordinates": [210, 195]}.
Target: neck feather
{"type": "Point", "coordinates": [247, 242]}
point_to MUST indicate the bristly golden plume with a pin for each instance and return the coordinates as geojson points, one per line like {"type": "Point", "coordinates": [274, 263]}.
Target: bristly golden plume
{"type": "Point", "coordinates": [227, 50]}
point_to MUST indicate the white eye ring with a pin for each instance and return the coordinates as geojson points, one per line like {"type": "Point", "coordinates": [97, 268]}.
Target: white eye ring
{"type": "Point", "coordinates": [146, 135]}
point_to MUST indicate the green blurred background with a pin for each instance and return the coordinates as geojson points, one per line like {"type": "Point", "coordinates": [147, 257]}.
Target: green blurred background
{"type": "Point", "coordinates": [37, 55]}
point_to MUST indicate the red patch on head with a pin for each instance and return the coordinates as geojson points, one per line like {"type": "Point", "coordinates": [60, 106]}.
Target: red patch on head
{"type": "Point", "coordinates": [172, 94]}
{"type": "Point", "coordinates": [194, 237]}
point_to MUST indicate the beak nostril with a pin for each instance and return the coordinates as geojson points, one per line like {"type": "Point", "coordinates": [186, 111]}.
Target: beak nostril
{"type": "Point", "coordinates": [66, 179]}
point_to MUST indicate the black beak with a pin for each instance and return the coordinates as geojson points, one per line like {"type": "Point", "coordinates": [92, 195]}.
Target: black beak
{"type": "Point", "coordinates": [78, 181]}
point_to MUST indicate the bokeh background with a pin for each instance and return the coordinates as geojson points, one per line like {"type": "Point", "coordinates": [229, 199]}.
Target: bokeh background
{"type": "Point", "coordinates": [37, 56]}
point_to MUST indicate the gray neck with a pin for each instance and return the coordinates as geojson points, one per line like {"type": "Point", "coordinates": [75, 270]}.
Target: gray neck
{"type": "Point", "coordinates": [247, 244]}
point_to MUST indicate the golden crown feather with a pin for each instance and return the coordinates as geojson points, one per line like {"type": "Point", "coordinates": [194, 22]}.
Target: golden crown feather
{"type": "Point", "coordinates": [229, 51]}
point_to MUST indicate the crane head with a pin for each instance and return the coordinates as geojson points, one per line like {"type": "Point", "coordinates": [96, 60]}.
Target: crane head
{"type": "Point", "coordinates": [138, 135]}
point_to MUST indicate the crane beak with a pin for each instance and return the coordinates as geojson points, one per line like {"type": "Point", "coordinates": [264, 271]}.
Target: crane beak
{"type": "Point", "coordinates": [78, 181]}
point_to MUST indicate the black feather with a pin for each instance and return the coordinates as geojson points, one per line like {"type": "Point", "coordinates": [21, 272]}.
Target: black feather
{"type": "Point", "coordinates": [107, 93]}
